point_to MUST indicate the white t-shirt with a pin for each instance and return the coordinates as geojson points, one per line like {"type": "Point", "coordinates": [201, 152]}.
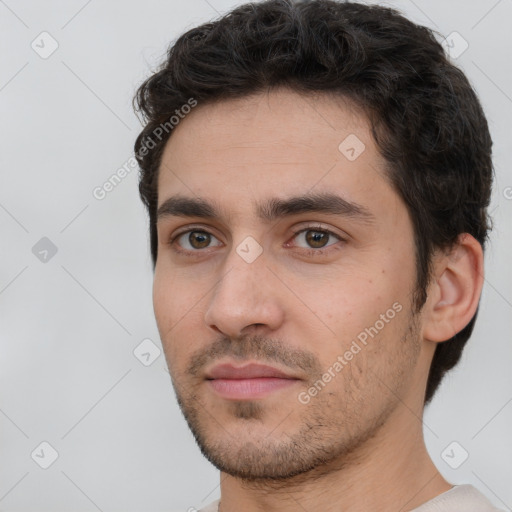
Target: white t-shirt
{"type": "Point", "coordinates": [460, 498]}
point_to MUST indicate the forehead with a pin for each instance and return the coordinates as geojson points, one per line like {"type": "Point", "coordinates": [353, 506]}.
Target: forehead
{"type": "Point", "coordinates": [277, 143]}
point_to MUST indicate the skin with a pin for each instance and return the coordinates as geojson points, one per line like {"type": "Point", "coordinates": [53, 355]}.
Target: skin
{"type": "Point", "coordinates": [358, 443]}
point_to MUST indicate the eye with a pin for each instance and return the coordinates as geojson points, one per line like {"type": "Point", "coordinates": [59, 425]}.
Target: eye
{"type": "Point", "coordinates": [194, 240]}
{"type": "Point", "coordinates": [315, 238]}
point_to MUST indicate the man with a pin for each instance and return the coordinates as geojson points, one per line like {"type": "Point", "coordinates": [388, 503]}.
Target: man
{"type": "Point", "coordinates": [317, 176]}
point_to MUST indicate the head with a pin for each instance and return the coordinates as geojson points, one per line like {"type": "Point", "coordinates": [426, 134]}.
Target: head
{"type": "Point", "coordinates": [261, 117]}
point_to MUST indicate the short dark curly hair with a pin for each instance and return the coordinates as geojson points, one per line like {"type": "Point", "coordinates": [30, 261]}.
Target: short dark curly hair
{"type": "Point", "coordinates": [425, 117]}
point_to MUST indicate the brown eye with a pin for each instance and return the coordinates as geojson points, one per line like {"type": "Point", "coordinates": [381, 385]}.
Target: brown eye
{"type": "Point", "coordinates": [194, 240]}
{"type": "Point", "coordinates": [310, 238]}
{"type": "Point", "coordinates": [199, 239]}
{"type": "Point", "coordinates": [317, 239]}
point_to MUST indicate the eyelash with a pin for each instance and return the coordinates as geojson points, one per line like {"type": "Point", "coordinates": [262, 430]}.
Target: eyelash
{"type": "Point", "coordinates": [308, 252]}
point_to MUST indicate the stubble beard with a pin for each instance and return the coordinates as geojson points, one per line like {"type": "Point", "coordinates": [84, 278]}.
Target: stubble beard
{"type": "Point", "coordinates": [327, 436]}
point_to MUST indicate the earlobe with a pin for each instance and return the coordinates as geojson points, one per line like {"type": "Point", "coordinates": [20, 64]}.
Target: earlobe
{"type": "Point", "coordinates": [455, 290]}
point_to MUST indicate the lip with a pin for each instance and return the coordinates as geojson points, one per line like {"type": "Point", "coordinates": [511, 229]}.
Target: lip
{"type": "Point", "coordinates": [248, 382]}
{"type": "Point", "coordinates": [249, 371]}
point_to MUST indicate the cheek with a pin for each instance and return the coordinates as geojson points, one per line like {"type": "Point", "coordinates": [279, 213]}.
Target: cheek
{"type": "Point", "coordinates": [164, 302]}
{"type": "Point", "coordinates": [173, 295]}
{"type": "Point", "coordinates": [347, 303]}
{"type": "Point", "coordinates": [347, 309]}
{"type": "Point", "coordinates": [176, 305]}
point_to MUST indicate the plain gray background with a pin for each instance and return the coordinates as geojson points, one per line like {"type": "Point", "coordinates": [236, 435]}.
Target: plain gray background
{"type": "Point", "coordinates": [71, 321]}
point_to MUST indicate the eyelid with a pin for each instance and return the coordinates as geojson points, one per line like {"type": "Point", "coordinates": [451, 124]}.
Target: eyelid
{"type": "Point", "coordinates": [189, 228]}
{"type": "Point", "coordinates": [318, 227]}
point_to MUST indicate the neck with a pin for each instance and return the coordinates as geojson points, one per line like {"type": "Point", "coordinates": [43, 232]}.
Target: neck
{"type": "Point", "coordinates": [390, 472]}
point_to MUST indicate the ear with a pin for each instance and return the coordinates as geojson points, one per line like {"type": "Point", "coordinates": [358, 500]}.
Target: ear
{"type": "Point", "coordinates": [455, 289]}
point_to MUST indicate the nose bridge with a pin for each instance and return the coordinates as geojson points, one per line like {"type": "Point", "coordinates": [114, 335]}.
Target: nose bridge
{"type": "Point", "coordinates": [243, 296]}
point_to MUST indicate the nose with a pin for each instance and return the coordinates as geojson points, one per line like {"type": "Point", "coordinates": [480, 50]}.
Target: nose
{"type": "Point", "coordinates": [244, 298]}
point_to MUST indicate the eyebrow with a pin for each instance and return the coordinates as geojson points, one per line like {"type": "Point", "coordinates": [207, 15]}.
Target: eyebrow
{"type": "Point", "coordinates": [270, 210]}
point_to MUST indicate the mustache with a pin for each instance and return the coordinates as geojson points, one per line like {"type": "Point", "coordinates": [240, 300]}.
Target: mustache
{"type": "Point", "coordinates": [263, 350]}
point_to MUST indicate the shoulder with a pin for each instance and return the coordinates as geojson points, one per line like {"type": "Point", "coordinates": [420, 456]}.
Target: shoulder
{"type": "Point", "coordinates": [463, 498]}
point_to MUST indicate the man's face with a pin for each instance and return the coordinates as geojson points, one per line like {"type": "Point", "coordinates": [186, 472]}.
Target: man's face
{"type": "Point", "coordinates": [324, 295]}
